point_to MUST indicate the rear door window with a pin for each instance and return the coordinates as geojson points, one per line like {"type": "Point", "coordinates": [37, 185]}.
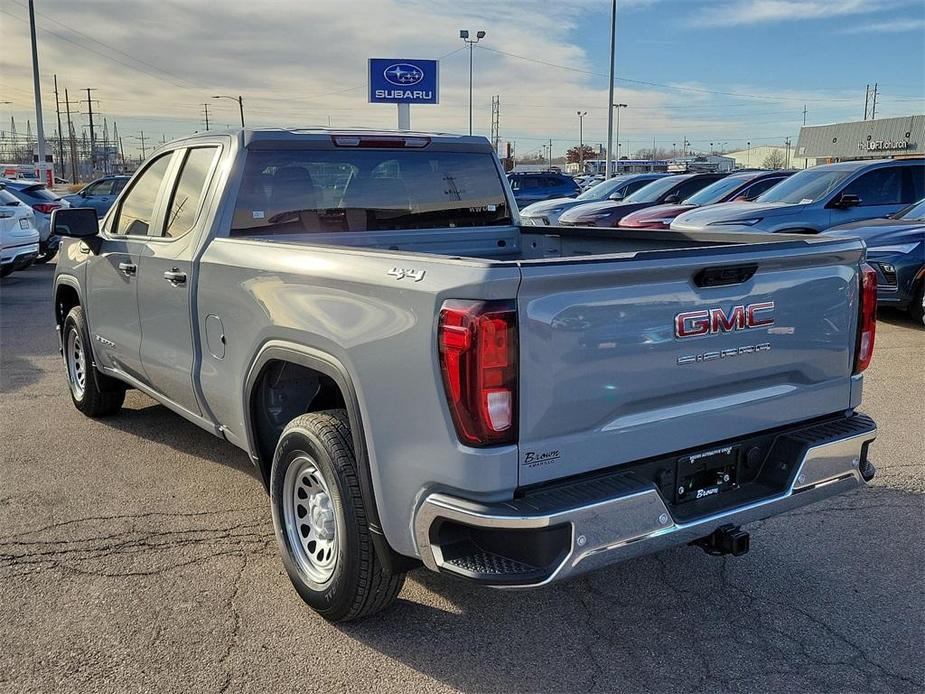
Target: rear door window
{"type": "Point", "coordinates": [187, 195]}
{"type": "Point", "coordinates": [916, 181]}
{"type": "Point", "coordinates": [291, 191]}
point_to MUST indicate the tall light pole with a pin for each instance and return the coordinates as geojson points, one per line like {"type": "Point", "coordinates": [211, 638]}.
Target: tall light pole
{"type": "Point", "coordinates": [618, 107]}
{"type": "Point", "coordinates": [40, 129]}
{"type": "Point", "coordinates": [581, 142]}
{"type": "Point", "coordinates": [748, 153]}
{"type": "Point", "coordinates": [464, 35]}
{"type": "Point", "coordinates": [613, 48]}
{"type": "Point", "coordinates": [240, 101]}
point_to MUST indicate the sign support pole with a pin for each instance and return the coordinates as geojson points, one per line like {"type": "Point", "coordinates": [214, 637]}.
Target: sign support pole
{"type": "Point", "coordinates": [404, 116]}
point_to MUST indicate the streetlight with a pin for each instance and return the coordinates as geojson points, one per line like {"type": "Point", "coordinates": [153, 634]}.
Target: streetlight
{"type": "Point", "coordinates": [240, 104]}
{"type": "Point", "coordinates": [613, 51]}
{"type": "Point", "coordinates": [581, 144]}
{"type": "Point", "coordinates": [464, 35]}
{"type": "Point", "coordinates": [748, 153]}
{"type": "Point", "coordinates": [618, 107]}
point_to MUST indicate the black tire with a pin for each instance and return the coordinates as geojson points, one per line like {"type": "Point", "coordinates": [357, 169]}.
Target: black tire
{"type": "Point", "coordinates": [917, 307]}
{"type": "Point", "coordinates": [357, 586]}
{"type": "Point", "coordinates": [100, 395]}
{"type": "Point", "coordinates": [45, 255]}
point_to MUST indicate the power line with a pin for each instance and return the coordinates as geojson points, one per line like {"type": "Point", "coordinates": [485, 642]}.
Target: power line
{"type": "Point", "coordinates": [114, 49]}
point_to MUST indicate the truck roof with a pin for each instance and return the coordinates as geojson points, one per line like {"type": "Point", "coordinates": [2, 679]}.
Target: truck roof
{"type": "Point", "coordinates": [322, 133]}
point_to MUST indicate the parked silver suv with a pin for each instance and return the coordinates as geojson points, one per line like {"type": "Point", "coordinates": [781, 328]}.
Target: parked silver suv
{"type": "Point", "coordinates": [818, 198]}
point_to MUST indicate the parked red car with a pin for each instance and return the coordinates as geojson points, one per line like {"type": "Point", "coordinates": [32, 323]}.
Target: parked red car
{"type": "Point", "coordinates": [745, 185]}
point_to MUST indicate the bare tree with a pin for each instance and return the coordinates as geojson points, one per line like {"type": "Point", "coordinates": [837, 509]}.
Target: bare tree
{"type": "Point", "coordinates": [774, 160]}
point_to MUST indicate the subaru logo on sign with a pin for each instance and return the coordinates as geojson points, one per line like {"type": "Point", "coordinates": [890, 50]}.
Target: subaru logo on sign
{"type": "Point", "coordinates": [403, 74]}
{"type": "Point", "coordinates": [403, 81]}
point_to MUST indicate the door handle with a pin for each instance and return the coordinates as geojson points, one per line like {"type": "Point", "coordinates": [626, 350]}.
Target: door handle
{"type": "Point", "coordinates": [175, 277]}
{"type": "Point", "coordinates": [128, 269]}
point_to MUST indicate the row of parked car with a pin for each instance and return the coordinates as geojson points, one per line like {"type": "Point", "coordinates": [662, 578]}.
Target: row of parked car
{"type": "Point", "coordinates": [881, 201]}
{"type": "Point", "coordinates": [25, 217]}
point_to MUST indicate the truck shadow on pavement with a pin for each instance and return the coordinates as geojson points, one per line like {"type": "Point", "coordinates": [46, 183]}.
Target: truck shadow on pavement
{"type": "Point", "coordinates": [829, 599]}
{"type": "Point", "coordinates": [156, 423]}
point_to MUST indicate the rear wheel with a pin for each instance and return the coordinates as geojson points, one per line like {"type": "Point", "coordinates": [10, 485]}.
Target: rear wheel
{"type": "Point", "coordinates": [321, 523]}
{"type": "Point", "coordinates": [93, 393]}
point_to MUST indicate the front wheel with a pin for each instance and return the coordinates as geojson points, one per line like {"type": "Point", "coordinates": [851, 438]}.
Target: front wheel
{"type": "Point", "coordinates": [321, 523]}
{"type": "Point", "coordinates": [93, 393]}
{"type": "Point", "coordinates": [917, 307]}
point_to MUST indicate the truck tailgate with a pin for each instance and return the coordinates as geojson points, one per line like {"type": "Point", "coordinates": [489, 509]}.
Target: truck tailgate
{"type": "Point", "coordinates": [605, 379]}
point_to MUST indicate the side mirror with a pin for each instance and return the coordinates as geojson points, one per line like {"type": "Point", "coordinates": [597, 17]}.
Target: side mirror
{"type": "Point", "coordinates": [83, 193]}
{"type": "Point", "coordinates": [616, 196]}
{"type": "Point", "coordinates": [75, 222]}
{"type": "Point", "coordinates": [673, 199]}
{"type": "Point", "coordinates": [846, 200]}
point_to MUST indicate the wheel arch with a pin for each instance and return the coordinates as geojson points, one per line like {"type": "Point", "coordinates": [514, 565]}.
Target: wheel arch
{"type": "Point", "coordinates": [67, 296]}
{"type": "Point", "coordinates": [279, 352]}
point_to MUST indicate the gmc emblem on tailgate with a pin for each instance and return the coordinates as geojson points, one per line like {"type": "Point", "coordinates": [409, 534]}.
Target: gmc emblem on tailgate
{"type": "Point", "coordinates": [715, 320]}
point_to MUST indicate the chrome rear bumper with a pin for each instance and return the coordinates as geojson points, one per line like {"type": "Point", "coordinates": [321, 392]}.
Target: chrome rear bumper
{"type": "Point", "coordinates": [631, 522]}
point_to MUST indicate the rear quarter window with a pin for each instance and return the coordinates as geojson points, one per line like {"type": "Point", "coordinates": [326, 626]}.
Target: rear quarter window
{"type": "Point", "coordinates": [292, 191]}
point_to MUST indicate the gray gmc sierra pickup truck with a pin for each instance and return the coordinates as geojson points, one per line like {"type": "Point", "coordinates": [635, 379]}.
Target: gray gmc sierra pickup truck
{"type": "Point", "coordinates": [419, 379]}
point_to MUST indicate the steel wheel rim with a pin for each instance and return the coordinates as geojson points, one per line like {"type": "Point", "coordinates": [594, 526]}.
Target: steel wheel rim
{"type": "Point", "coordinates": [76, 363]}
{"type": "Point", "coordinates": [311, 523]}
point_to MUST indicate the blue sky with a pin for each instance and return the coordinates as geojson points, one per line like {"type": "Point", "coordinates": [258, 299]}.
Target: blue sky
{"type": "Point", "coordinates": [304, 63]}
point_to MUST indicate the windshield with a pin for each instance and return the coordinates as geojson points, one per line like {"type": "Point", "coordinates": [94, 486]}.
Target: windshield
{"type": "Point", "coordinates": [805, 187]}
{"type": "Point", "coordinates": [654, 190]}
{"type": "Point", "coordinates": [914, 213]}
{"type": "Point", "coordinates": [602, 190]}
{"type": "Point", "coordinates": [292, 191]}
{"type": "Point", "coordinates": [715, 192]}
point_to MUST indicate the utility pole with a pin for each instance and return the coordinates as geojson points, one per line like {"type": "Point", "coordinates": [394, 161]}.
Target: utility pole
{"type": "Point", "coordinates": [92, 132]}
{"type": "Point", "coordinates": [42, 167]}
{"type": "Point", "coordinates": [581, 142]}
{"type": "Point", "coordinates": [804, 114]}
{"type": "Point", "coordinates": [873, 108]}
{"type": "Point", "coordinates": [496, 121]}
{"type": "Point", "coordinates": [550, 153]}
{"type": "Point", "coordinates": [787, 158]}
{"type": "Point", "coordinates": [72, 139]}
{"type": "Point", "coordinates": [205, 110]}
{"type": "Point", "coordinates": [144, 151]}
{"type": "Point", "coordinates": [610, 105]}
{"type": "Point", "coordinates": [60, 134]}
{"type": "Point", "coordinates": [866, 99]}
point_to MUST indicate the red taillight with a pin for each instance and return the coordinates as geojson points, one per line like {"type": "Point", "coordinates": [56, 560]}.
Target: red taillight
{"type": "Point", "coordinates": [478, 356]}
{"type": "Point", "coordinates": [46, 207]}
{"type": "Point", "coordinates": [867, 321]}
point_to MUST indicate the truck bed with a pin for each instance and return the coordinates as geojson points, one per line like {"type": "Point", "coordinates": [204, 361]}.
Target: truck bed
{"type": "Point", "coordinates": [516, 244]}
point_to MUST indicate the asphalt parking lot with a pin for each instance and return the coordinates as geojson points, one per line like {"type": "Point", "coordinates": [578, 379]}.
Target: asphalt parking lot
{"type": "Point", "coordinates": [137, 554]}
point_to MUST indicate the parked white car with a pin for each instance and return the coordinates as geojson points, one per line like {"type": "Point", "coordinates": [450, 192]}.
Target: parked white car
{"type": "Point", "coordinates": [19, 238]}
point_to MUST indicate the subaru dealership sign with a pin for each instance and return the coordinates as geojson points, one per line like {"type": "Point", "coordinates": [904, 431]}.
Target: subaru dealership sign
{"type": "Point", "coordinates": [403, 81]}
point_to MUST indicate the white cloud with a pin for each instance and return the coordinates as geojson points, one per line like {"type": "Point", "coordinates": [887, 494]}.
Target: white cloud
{"type": "Point", "coordinates": [745, 12]}
{"type": "Point", "coordinates": [891, 27]}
